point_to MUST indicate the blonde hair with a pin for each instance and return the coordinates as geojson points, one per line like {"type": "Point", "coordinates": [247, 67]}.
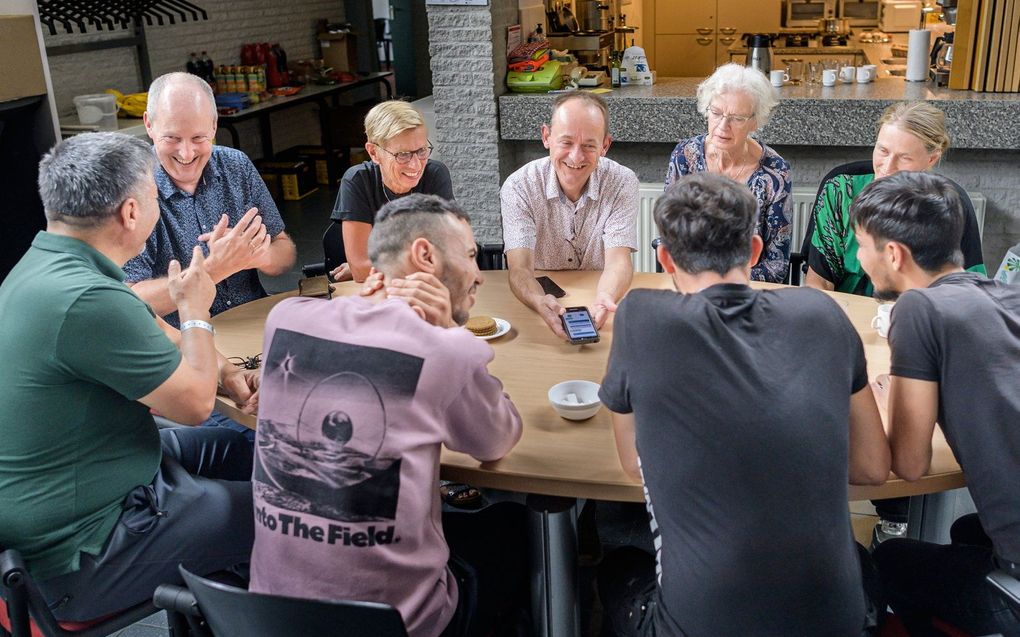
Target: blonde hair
{"type": "Point", "coordinates": [922, 120]}
{"type": "Point", "coordinates": [388, 119]}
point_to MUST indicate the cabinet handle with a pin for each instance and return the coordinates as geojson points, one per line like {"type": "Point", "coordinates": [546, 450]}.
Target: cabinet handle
{"type": "Point", "coordinates": [727, 30]}
{"type": "Point", "coordinates": [704, 31]}
{"type": "Point", "coordinates": [704, 40]}
{"type": "Point", "coordinates": [727, 40]}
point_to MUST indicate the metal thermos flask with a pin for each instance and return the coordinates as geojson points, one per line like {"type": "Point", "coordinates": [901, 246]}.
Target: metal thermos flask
{"type": "Point", "coordinates": [759, 52]}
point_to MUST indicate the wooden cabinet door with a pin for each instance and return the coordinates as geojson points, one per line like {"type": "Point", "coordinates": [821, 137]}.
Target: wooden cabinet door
{"type": "Point", "coordinates": [723, 44]}
{"type": "Point", "coordinates": [685, 16]}
{"type": "Point", "coordinates": [748, 16]}
{"type": "Point", "coordinates": [689, 55]}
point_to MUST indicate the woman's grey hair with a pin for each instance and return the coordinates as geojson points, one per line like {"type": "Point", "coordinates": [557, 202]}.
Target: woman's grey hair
{"type": "Point", "coordinates": [170, 80]}
{"type": "Point", "coordinates": [84, 180]}
{"type": "Point", "coordinates": [730, 78]}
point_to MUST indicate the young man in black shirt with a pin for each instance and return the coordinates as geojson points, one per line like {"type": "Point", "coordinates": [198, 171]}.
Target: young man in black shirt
{"type": "Point", "coordinates": [955, 341]}
{"type": "Point", "coordinates": [745, 451]}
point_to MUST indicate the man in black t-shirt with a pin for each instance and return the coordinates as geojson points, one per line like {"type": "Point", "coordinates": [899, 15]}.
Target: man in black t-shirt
{"type": "Point", "coordinates": [745, 451]}
{"type": "Point", "coordinates": [955, 341]}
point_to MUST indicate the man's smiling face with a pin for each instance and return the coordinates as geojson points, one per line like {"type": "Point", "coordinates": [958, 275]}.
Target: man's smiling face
{"type": "Point", "coordinates": [576, 138]}
{"type": "Point", "coordinates": [183, 132]}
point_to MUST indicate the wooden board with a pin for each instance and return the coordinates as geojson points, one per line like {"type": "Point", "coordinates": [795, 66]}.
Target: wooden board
{"type": "Point", "coordinates": [994, 40]}
{"type": "Point", "coordinates": [1012, 48]}
{"type": "Point", "coordinates": [963, 47]}
{"type": "Point", "coordinates": [982, 37]}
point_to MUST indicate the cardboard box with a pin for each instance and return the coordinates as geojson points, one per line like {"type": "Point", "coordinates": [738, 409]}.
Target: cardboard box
{"type": "Point", "coordinates": [21, 74]}
{"type": "Point", "coordinates": [340, 51]}
{"type": "Point", "coordinates": [295, 179]}
{"type": "Point", "coordinates": [316, 156]}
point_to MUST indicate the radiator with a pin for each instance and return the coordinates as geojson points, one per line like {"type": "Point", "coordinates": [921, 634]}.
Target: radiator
{"type": "Point", "coordinates": [803, 200]}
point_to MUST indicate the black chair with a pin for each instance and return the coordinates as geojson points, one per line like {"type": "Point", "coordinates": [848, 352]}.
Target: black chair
{"type": "Point", "coordinates": [332, 250]}
{"type": "Point", "coordinates": [799, 260]}
{"type": "Point", "coordinates": [489, 256]}
{"type": "Point", "coordinates": [221, 610]}
{"type": "Point", "coordinates": [26, 607]}
{"type": "Point", "coordinates": [1008, 585]}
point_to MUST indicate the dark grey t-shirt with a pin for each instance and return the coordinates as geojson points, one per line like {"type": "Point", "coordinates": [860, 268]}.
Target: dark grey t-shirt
{"type": "Point", "coordinates": [963, 332]}
{"type": "Point", "coordinates": [744, 452]}
{"type": "Point", "coordinates": [362, 192]}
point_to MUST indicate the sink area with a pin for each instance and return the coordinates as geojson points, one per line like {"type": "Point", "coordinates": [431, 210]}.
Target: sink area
{"type": "Point", "coordinates": [897, 72]}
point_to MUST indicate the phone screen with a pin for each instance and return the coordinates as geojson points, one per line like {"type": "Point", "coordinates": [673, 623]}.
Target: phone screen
{"type": "Point", "coordinates": [578, 324]}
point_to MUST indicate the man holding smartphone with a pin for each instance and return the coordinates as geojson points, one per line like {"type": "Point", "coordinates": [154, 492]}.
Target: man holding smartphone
{"type": "Point", "coordinates": [733, 438]}
{"type": "Point", "coordinates": [574, 210]}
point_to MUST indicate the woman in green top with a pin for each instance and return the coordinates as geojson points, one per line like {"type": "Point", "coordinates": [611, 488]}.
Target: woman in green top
{"type": "Point", "coordinates": [911, 136]}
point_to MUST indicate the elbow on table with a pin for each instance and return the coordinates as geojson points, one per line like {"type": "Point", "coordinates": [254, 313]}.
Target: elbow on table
{"type": "Point", "coordinates": [909, 471]}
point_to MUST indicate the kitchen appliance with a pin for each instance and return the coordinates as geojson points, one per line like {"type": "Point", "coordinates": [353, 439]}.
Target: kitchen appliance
{"type": "Point", "coordinates": [759, 52]}
{"type": "Point", "coordinates": [834, 26]}
{"type": "Point", "coordinates": [859, 13]}
{"type": "Point", "coordinates": [942, 58]}
{"type": "Point", "coordinates": [592, 15]}
{"type": "Point", "coordinates": [948, 11]}
{"type": "Point", "coordinates": [589, 35]}
{"type": "Point", "coordinates": [807, 13]}
{"type": "Point", "coordinates": [899, 16]}
{"type": "Point", "coordinates": [560, 18]}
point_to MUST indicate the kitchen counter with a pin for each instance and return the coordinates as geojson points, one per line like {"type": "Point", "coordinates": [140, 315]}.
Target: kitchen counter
{"type": "Point", "coordinates": [842, 115]}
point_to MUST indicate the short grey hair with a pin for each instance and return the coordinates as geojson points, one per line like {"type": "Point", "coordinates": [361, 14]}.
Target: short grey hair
{"type": "Point", "coordinates": [400, 222]}
{"type": "Point", "coordinates": [84, 180]}
{"type": "Point", "coordinates": [731, 78]}
{"type": "Point", "coordinates": [171, 80]}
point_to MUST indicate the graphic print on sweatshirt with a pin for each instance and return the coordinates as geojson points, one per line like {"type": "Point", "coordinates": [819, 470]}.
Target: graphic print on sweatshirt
{"type": "Point", "coordinates": [323, 424]}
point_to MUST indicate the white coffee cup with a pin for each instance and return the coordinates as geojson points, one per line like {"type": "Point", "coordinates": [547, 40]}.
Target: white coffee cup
{"type": "Point", "coordinates": [883, 319]}
{"type": "Point", "coordinates": [829, 77]}
{"type": "Point", "coordinates": [863, 76]}
{"type": "Point", "coordinates": [872, 71]}
{"type": "Point", "coordinates": [846, 74]}
{"type": "Point", "coordinates": [779, 77]}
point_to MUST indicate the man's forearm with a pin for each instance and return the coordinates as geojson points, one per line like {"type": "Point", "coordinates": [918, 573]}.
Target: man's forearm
{"type": "Point", "coordinates": [526, 288]}
{"type": "Point", "coordinates": [615, 280]}
{"type": "Point", "coordinates": [156, 293]}
{"type": "Point", "coordinates": [282, 254]}
{"type": "Point", "coordinates": [199, 350]}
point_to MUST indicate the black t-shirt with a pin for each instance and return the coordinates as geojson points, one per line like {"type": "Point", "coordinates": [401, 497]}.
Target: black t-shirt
{"type": "Point", "coordinates": [362, 192]}
{"type": "Point", "coordinates": [963, 332]}
{"type": "Point", "coordinates": [744, 451]}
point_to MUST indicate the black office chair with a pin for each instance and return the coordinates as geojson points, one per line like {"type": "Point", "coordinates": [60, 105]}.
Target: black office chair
{"type": "Point", "coordinates": [27, 609]}
{"type": "Point", "coordinates": [1008, 585]}
{"type": "Point", "coordinates": [221, 610]}
{"type": "Point", "coordinates": [799, 260]}
{"type": "Point", "coordinates": [332, 250]}
{"type": "Point", "coordinates": [489, 256]}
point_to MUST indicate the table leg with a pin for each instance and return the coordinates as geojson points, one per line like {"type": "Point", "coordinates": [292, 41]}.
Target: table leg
{"type": "Point", "coordinates": [266, 133]}
{"type": "Point", "coordinates": [553, 566]}
{"type": "Point", "coordinates": [930, 516]}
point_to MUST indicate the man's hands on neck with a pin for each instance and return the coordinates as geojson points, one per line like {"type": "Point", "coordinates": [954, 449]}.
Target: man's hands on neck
{"type": "Point", "coordinates": [424, 292]}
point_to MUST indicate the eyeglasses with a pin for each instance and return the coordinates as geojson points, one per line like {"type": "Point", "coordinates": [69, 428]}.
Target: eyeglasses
{"type": "Point", "coordinates": [405, 156]}
{"type": "Point", "coordinates": [734, 120]}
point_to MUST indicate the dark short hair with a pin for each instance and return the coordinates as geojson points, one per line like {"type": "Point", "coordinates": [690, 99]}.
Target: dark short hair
{"type": "Point", "coordinates": [84, 179]}
{"type": "Point", "coordinates": [921, 210]}
{"type": "Point", "coordinates": [707, 221]}
{"type": "Point", "coordinates": [590, 100]}
{"type": "Point", "coordinates": [401, 221]}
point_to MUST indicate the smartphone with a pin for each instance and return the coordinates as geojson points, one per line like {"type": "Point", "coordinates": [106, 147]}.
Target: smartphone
{"type": "Point", "coordinates": [549, 287]}
{"type": "Point", "coordinates": [578, 325]}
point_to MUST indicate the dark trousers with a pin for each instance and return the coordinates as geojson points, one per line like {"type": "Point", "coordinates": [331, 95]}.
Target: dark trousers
{"type": "Point", "coordinates": [197, 511]}
{"type": "Point", "coordinates": [924, 580]}
{"type": "Point", "coordinates": [488, 556]}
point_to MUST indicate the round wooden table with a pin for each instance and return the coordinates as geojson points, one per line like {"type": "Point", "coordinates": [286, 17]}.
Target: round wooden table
{"type": "Point", "coordinates": [561, 457]}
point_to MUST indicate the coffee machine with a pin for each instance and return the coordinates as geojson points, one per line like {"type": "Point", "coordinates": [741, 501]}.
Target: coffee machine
{"type": "Point", "coordinates": [942, 49]}
{"type": "Point", "coordinates": [583, 27]}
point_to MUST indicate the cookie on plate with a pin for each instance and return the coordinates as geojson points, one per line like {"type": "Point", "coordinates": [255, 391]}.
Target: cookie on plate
{"type": "Point", "coordinates": [481, 325]}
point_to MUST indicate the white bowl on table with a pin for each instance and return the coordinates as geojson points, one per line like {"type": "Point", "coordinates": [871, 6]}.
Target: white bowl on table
{"type": "Point", "coordinates": [575, 399]}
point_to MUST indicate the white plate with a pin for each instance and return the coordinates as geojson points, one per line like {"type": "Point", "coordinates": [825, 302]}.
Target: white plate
{"type": "Point", "coordinates": [502, 327]}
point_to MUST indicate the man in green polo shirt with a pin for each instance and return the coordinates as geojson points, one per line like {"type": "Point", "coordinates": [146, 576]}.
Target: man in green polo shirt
{"type": "Point", "coordinates": [101, 504]}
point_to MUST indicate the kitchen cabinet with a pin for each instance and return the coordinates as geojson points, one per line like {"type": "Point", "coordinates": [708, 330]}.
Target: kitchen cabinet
{"type": "Point", "coordinates": [691, 38]}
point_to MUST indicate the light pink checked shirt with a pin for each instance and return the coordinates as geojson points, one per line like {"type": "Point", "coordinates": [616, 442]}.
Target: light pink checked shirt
{"type": "Point", "coordinates": [564, 235]}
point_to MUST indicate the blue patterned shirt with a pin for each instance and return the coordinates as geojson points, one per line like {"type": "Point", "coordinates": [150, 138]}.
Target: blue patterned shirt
{"type": "Point", "coordinates": [230, 185]}
{"type": "Point", "coordinates": [771, 186]}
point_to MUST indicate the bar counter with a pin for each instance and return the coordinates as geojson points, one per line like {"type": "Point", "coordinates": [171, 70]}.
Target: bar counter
{"type": "Point", "coordinates": [843, 115]}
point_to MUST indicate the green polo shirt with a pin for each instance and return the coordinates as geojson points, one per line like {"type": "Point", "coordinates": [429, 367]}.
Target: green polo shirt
{"type": "Point", "coordinates": [78, 350]}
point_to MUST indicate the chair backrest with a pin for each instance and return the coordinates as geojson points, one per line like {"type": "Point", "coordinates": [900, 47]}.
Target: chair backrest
{"type": "Point", "coordinates": [489, 256]}
{"type": "Point", "coordinates": [333, 246]}
{"type": "Point", "coordinates": [234, 611]}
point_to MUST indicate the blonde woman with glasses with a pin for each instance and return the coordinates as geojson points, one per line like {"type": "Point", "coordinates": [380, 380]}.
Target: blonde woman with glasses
{"type": "Point", "coordinates": [736, 101]}
{"type": "Point", "coordinates": [398, 147]}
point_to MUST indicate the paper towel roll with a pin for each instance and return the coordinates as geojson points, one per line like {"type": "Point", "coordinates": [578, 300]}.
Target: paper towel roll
{"type": "Point", "coordinates": [918, 55]}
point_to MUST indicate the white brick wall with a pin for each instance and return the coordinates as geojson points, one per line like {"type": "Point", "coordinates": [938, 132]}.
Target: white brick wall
{"type": "Point", "coordinates": [468, 48]}
{"type": "Point", "coordinates": [231, 23]}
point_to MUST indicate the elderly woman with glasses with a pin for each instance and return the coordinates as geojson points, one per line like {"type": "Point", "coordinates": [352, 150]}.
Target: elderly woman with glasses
{"type": "Point", "coordinates": [736, 101]}
{"type": "Point", "coordinates": [399, 149]}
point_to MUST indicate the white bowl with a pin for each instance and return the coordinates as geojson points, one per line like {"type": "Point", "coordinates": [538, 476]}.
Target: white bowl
{"type": "Point", "coordinates": [575, 399]}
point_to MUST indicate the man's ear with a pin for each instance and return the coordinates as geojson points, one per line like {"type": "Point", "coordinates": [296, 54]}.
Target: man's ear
{"type": "Point", "coordinates": [128, 213]}
{"type": "Point", "coordinates": [662, 254]}
{"type": "Point", "coordinates": [606, 143]}
{"type": "Point", "coordinates": [373, 151]}
{"type": "Point", "coordinates": [757, 245]}
{"type": "Point", "coordinates": [545, 135]}
{"type": "Point", "coordinates": [898, 255]}
{"type": "Point", "coordinates": [423, 257]}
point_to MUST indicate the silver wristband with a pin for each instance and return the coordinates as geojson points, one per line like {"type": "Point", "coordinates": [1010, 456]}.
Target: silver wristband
{"type": "Point", "coordinates": [205, 325]}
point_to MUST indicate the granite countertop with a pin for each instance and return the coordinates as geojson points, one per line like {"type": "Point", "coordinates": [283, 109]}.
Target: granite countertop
{"type": "Point", "coordinates": [842, 115]}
